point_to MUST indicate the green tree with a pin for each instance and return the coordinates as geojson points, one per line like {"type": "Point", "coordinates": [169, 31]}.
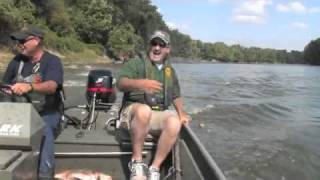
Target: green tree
{"type": "Point", "coordinates": [221, 51]}
{"type": "Point", "coordinates": [26, 10]}
{"type": "Point", "coordinates": [296, 57]}
{"type": "Point", "coordinates": [195, 49]}
{"type": "Point", "coordinates": [207, 51]}
{"type": "Point", "coordinates": [10, 21]}
{"type": "Point", "coordinates": [93, 20]}
{"type": "Point", "coordinates": [123, 41]}
{"type": "Point", "coordinates": [143, 16]}
{"type": "Point", "coordinates": [312, 52]}
{"type": "Point", "coordinates": [237, 53]}
{"type": "Point", "coordinates": [58, 18]}
{"type": "Point", "coordinates": [181, 44]}
{"type": "Point", "coordinates": [282, 56]}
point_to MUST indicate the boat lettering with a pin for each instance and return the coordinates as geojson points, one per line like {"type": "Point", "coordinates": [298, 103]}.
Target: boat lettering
{"type": "Point", "coordinates": [10, 129]}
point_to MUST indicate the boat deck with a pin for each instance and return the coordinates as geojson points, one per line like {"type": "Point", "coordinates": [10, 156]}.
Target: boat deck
{"type": "Point", "coordinates": [96, 150]}
{"type": "Point", "coordinates": [73, 136]}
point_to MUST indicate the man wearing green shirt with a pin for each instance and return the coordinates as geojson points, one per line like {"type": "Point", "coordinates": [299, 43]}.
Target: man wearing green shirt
{"type": "Point", "coordinates": [150, 85]}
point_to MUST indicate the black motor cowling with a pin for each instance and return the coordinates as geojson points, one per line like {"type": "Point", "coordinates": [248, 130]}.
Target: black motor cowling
{"type": "Point", "coordinates": [100, 82]}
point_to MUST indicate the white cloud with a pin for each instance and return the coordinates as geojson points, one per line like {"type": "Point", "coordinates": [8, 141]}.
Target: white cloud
{"type": "Point", "coordinates": [172, 25]}
{"type": "Point", "coordinates": [314, 10]}
{"type": "Point", "coordinates": [159, 10]}
{"type": "Point", "coordinates": [220, 1]}
{"type": "Point", "coordinates": [182, 27]}
{"type": "Point", "coordinates": [254, 7]}
{"type": "Point", "coordinates": [296, 7]}
{"type": "Point", "coordinates": [215, 1]}
{"type": "Point", "coordinates": [282, 8]}
{"type": "Point", "coordinates": [251, 11]}
{"type": "Point", "coordinates": [299, 25]}
{"type": "Point", "coordinates": [253, 19]}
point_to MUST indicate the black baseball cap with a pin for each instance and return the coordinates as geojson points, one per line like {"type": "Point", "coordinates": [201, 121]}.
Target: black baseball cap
{"type": "Point", "coordinates": [25, 33]}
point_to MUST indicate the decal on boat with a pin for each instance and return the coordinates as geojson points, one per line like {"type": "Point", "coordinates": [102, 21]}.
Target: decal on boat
{"type": "Point", "coordinates": [10, 129]}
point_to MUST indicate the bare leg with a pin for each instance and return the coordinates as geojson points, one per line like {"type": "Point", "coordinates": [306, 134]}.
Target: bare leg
{"type": "Point", "coordinates": [168, 137]}
{"type": "Point", "coordinates": [141, 115]}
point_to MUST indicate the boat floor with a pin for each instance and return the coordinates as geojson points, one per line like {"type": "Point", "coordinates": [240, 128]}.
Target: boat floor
{"type": "Point", "coordinates": [109, 152]}
{"type": "Point", "coordinates": [72, 135]}
{"type": "Point", "coordinates": [97, 150]}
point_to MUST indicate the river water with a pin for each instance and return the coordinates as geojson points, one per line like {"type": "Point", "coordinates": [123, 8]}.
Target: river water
{"type": "Point", "coordinates": [259, 122]}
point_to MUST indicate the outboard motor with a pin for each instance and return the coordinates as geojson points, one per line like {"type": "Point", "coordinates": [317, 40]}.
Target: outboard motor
{"type": "Point", "coordinates": [100, 92]}
{"type": "Point", "coordinates": [100, 87]}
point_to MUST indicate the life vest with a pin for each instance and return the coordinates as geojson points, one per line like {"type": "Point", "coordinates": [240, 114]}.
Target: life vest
{"type": "Point", "coordinates": [153, 100]}
{"type": "Point", "coordinates": [37, 99]}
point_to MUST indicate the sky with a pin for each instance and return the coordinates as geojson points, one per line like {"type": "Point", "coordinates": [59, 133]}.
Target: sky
{"type": "Point", "coordinates": [279, 24]}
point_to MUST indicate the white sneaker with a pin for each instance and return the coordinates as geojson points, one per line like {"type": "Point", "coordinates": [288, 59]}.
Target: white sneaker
{"type": "Point", "coordinates": [153, 174]}
{"type": "Point", "coordinates": [138, 170]}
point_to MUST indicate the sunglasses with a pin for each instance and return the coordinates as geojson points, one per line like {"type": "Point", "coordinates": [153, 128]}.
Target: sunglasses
{"type": "Point", "coordinates": [157, 42]}
{"type": "Point", "coordinates": [23, 41]}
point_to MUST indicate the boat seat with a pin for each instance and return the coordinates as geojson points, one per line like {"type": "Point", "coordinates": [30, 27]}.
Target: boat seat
{"type": "Point", "coordinates": [125, 138]}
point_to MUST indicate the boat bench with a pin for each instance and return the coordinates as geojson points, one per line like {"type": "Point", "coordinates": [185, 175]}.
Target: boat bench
{"type": "Point", "coordinates": [125, 139]}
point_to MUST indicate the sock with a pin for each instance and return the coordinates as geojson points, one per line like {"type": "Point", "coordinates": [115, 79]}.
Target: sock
{"type": "Point", "coordinates": [151, 167]}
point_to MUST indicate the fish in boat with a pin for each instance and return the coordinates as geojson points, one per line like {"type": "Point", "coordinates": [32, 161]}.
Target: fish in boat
{"type": "Point", "coordinates": [81, 175]}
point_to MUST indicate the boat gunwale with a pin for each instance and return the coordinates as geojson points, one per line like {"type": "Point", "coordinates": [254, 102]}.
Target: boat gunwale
{"type": "Point", "coordinates": [186, 133]}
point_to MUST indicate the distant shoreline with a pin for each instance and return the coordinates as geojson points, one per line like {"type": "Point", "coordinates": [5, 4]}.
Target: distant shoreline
{"type": "Point", "coordinates": [179, 60]}
{"type": "Point", "coordinates": [74, 59]}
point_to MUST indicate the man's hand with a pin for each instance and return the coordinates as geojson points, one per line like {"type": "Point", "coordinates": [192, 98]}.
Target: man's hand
{"type": "Point", "coordinates": [21, 88]}
{"type": "Point", "coordinates": [150, 86]}
{"type": "Point", "coordinates": [184, 118]}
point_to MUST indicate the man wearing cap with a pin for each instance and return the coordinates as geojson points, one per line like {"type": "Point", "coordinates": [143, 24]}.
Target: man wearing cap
{"type": "Point", "coordinates": [150, 86]}
{"type": "Point", "coordinates": [39, 74]}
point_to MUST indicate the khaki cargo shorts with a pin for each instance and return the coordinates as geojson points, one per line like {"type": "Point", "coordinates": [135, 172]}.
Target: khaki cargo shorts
{"type": "Point", "coordinates": [156, 122]}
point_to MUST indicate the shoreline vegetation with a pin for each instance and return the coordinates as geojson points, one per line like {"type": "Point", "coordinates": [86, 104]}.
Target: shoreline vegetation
{"type": "Point", "coordinates": [70, 58]}
{"type": "Point", "coordinates": [91, 31]}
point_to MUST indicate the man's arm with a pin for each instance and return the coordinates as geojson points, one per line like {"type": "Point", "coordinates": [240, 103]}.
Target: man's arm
{"type": "Point", "coordinates": [125, 84]}
{"type": "Point", "coordinates": [53, 77]}
{"type": "Point", "coordinates": [178, 105]}
{"type": "Point", "coordinates": [47, 87]}
{"type": "Point", "coordinates": [130, 78]}
{"type": "Point", "coordinates": [178, 101]}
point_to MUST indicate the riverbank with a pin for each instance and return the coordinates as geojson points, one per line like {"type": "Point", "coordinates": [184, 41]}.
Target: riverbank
{"type": "Point", "coordinates": [80, 58]}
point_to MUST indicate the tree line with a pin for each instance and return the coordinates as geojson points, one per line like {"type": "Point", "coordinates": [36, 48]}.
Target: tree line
{"type": "Point", "coordinates": [120, 28]}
